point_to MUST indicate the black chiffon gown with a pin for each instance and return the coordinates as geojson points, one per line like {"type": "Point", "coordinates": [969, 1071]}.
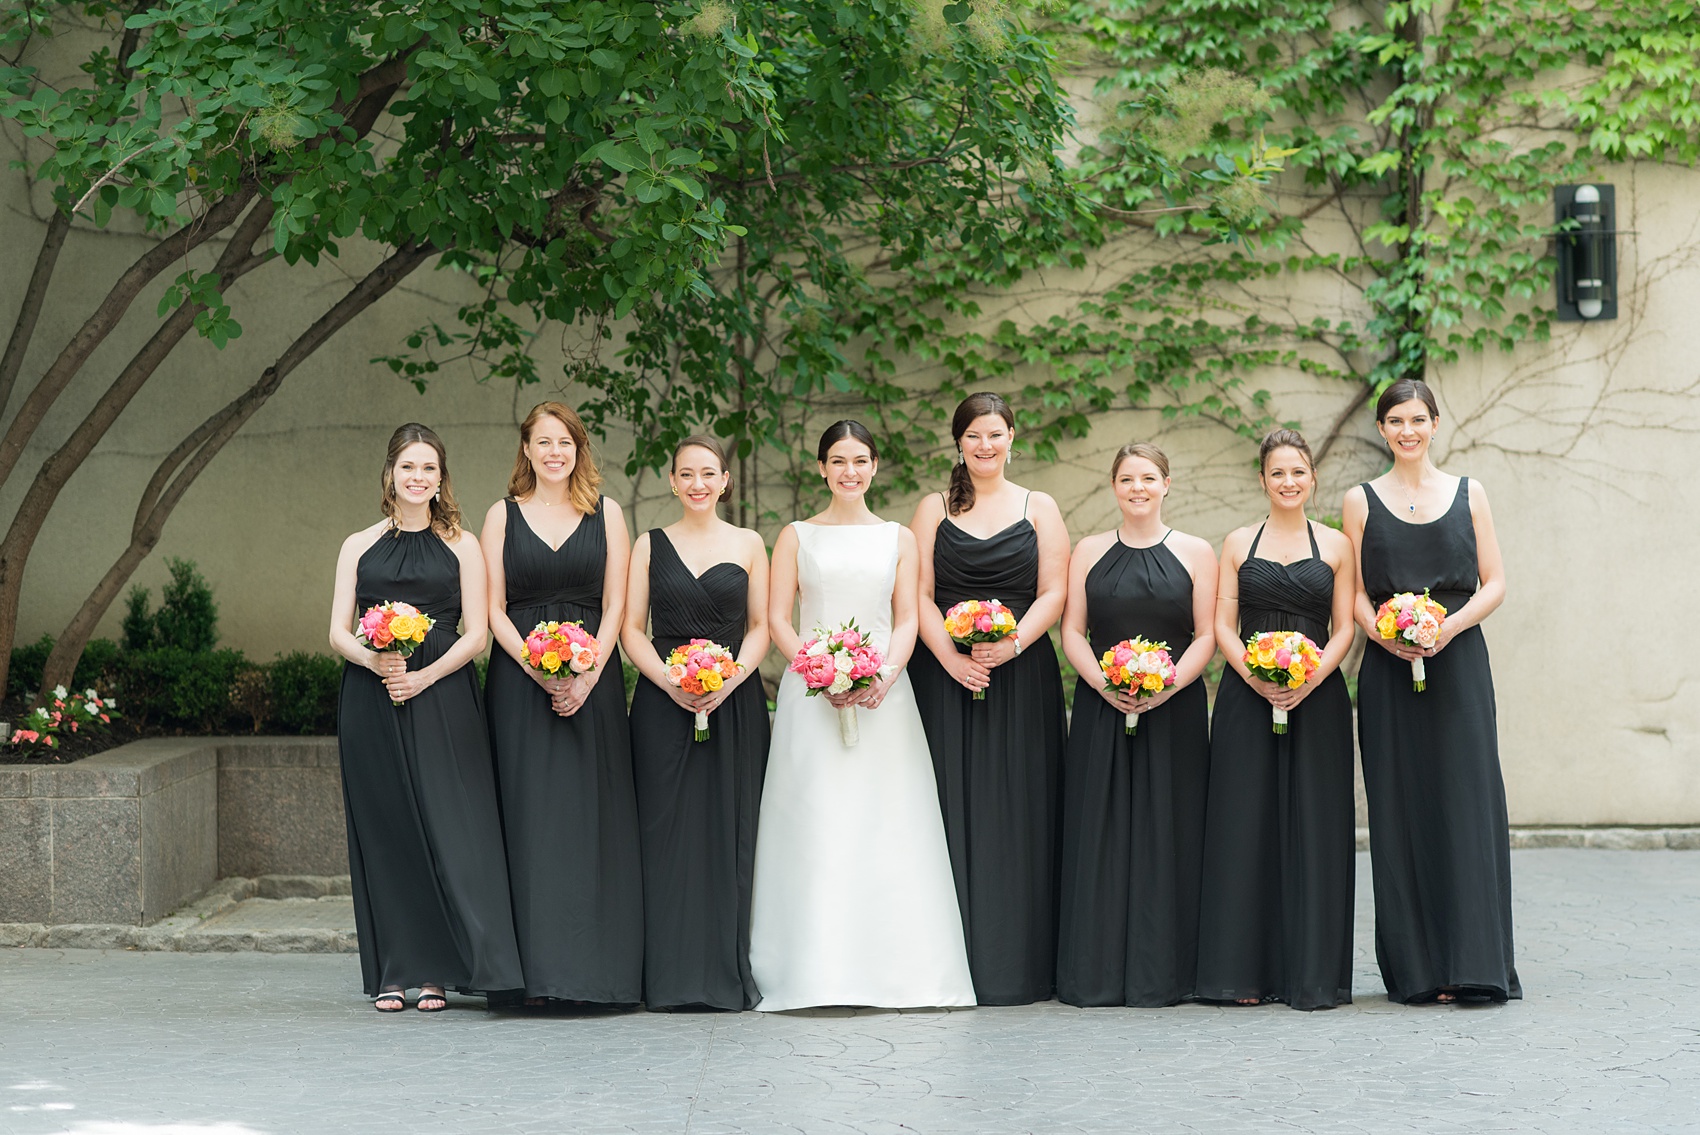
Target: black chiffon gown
{"type": "Point", "coordinates": [698, 800]}
{"type": "Point", "coordinates": [568, 803]}
{"type": "Point", "coordinates": [1133, 807]}
{"type": "Point", "coordinates": [1439, 837]}
{"type": "Point", "coordinates": [1275, 914]}
{"type": "Point", "coordinates": [997, 763]}
{"type": "Point", "coordinates": [424, 836]}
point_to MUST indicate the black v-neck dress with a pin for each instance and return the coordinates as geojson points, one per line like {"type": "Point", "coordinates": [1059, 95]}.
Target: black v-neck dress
{"type": "Point", "coordinates": [424, 837]}
{"type": "Point", "coordinates": [1275, 914]}
{"type": "Point", "coordinates": [568, 804]}
{"type": "Point", "coordinates": [1438, 832]}
{"type": "Point", "coordinates": [998, 762]}
{"type": "Point", "coordinates": [698, 801]}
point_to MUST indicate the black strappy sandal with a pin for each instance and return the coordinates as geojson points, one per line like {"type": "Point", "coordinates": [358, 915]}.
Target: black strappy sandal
{"type": "Point", "coordinates": [390, 1001]}
{"type": "Point", "coordinates": [426, 995]}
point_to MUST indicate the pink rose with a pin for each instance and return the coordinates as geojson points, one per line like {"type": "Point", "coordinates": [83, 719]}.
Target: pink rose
{"type": "Point", "coordinates": [1283, 658]}
{"type": "Point", "coordinates": [850, 638]}
{"type": "Point", "coordinates": [819, 671]}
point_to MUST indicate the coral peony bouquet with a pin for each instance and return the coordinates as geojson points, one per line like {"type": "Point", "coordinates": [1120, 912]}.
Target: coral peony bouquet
{"type": "Point", "coordinates": [837, 660]}
{"type": "Point", "coordinates": [701, 667]}
{"type": "Point", "coordinates": [1140, 667]}
{"type": "Point", "coordinates": [1287, 658]}
{"type": "Point", "coordinates": [1414, 619]}
{"type": "Point", "coordinates": [395, 627]}
{"type": "Point", "coordinates": [552, 647]}
{"type": "Point", "coordinates": [979, 620]}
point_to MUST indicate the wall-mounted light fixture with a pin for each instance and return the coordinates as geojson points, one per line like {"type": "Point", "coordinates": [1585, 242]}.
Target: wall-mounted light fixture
{"type": "Point", "coordinates": [1587, 251]}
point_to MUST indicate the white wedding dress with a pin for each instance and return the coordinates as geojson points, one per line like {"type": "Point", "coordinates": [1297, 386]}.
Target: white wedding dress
{"type": "Point", "coordinates": [854, 901]}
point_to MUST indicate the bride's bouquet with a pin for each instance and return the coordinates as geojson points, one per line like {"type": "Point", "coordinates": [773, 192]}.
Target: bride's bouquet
{"type": "Point", "coordinates": [1140, 667]}
{"type": "Point", "coordinates": [1287, 658]}
{"type": "Point", "coordinates": [979, 620]}
{"type": "Point", "coordinates": [1415, 619]}
{"type": "Point", "coordinates": [837, 660]}
{"type": "Point", "coordinates": [398, 628]}
{"type": "Point", "coordinates": [552, 647]}
{"type": "Point", "coordinates": [701, 667]}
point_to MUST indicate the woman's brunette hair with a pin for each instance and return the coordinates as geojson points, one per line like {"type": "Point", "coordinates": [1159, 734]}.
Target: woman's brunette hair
{"type": "Point", "coordinates": [712, 444]}
{"type": "Point", "coordinates": [1283, 439]}
{"type": "Point", "coordinates": [1405, 390]}
{"type": "Point", "coordinates": [1140, 449]}
{"type": "Point", "coordinates": [960, 497]}
{"type": "Point", "coordinates": [584, 483]}
{"type": "Point", "coordinates": [845, 428]}
{"type": "Point", "coordinates": [445, 513]}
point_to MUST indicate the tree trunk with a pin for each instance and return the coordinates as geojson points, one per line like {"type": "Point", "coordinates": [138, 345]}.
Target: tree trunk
{"type": "Point", "coordinates": [34, 295]}
{"type": "Point", "coordinates": [178, 471]}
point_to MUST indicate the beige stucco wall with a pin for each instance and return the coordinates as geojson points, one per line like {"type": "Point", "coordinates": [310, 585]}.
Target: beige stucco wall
{"type": "Point", "coordinates": [1585, 444]}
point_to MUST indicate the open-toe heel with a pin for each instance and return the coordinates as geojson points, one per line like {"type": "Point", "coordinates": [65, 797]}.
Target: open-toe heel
{"type": "Point", "coordinates": [390, 1001]}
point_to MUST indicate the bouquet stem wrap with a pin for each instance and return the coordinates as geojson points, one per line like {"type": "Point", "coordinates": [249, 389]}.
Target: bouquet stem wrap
{"type": "Point", "coordinates": [1280, 717]}
{"type": "Point", "coordinates": [701, 732]}
{"type": "Point", "coordinates": [847, 730]}
{"type": "Point", "coordinates": [1419, 677]}
{"type": "Point", "coordinates": [1132, 725]}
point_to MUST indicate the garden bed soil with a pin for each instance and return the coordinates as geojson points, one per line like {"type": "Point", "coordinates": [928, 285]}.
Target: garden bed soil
{"type": "Point", "coordinates": [73, 746]}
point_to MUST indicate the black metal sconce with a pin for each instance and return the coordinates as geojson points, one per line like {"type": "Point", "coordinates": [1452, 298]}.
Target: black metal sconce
{"type": "Point", "coordinates": [1587, 251]}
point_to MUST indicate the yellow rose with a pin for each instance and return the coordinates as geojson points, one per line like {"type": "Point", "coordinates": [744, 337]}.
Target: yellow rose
{"type": "Point", "coordinates": [1387, 626]}
{"type": "Point", "coordinates": [551, 661]}
{"type": "Point", "coordinates": [710, 680]}
{"type": "Point", "coordinates": [551, 627]}
{"type": "Point", "coordinates": [1152, 682]}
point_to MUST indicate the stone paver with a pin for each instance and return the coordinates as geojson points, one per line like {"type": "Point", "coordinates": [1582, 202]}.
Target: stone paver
{"type": "Point", "coordinates": [1608, 1040]}
{"type": "Point", "coordinates": [335, 912]}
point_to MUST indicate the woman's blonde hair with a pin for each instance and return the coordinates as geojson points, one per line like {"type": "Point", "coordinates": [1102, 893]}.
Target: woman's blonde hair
{"type": "Point", "coordinates": [584, 483]}
{"type": "Point", "coordinates": [1140, 449]}
{"type": "Point", "coordinates": [445, 513]}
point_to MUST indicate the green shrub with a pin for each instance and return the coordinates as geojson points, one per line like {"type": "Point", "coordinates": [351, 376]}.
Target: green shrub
{"type": "Point", "coordinates": [138, 620]}
{"type": "Point", "coordinates": [188, 617]}
{"type": "Point", "coordinates": [170, 686]}
{"type": "Point", "coordinates": [303, 691]}
{"type": "Point", "coordinates": [94, 668]}
{"type": "Point", "coordinates": [28, 661]}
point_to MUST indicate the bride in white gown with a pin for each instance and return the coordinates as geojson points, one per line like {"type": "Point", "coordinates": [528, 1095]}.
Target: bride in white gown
{"type": "Point", "coordinates": [854, 900]}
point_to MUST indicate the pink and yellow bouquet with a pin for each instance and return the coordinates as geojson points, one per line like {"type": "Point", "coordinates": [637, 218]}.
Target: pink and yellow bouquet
{"type": "Point", "coordinates": [1414, 619]}
{"type": "Point", "coordinates": [701, 667]}
{"type": "Point", "coordinates": [1284, 657]}
{"type": "Point", "coordinates": [552, 646]}
{"type": "Point", "coordinates": [979, 620]}
{"type": "Point", "coordinates": [1140, 667]}
{"type": "Point", "coordinates": [395, 627]}
{"type": "Point", "coordinates": [837, 660]}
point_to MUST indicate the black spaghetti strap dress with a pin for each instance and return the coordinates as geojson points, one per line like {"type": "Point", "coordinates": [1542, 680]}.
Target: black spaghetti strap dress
{"type": "Point", "coordinates": [1439, 837]}
{"type": "Point", "coordinates": [997, 762]}
{"type": "Point", "coordinates": [1275, 915]}
{"type": "Point", "coordinates": [1133, 807]}
{"type": "Point", "coordinates": [568, 804]}
{"type": "Point", "coordinates": [698, 801]}
{"type": "Point", "coordinates": [424, 837]}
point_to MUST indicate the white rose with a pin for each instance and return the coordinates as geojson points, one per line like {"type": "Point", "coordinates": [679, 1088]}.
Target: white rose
{"type": "Point", "coordinates": [818, 648]}
{"type": "Point", "coordinates": [840, 684]}
{"type": "Point", "coordinates": [843, 663]}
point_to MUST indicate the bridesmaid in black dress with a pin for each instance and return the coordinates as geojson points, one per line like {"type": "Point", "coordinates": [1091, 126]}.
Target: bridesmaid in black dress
{"type": "Point", "coordinates": [1133, 807]}
{"type": "Point", "coordinates": [698, 801]}
{"type": "Point", "coordinates": [424, 837]}
{"type": "Point", "coordinates": [557, 550]}
{"type": "Point", "coordinates": [1439, 839]}
{"type": "Point", "coordinates": [1275, 919]}
{"type": "Point", "coordinates": [997, 760]}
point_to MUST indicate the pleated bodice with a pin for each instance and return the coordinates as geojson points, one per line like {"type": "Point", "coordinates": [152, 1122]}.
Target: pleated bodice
{"type": "Point", "coordinates": [1003, 566]}
{"type": "Point", "coordinates": [683, 606]}
{"type": "Point", "coordinates": [555, 583]}
{"type": "Point", "coordinates": [1286, 597]}
{"type": "Point", "coordinates": [1402, 556]}
{"type": "Point", "coordinates": [1144, 592]}
{"type": "Point", "coordinates": [417, 568]}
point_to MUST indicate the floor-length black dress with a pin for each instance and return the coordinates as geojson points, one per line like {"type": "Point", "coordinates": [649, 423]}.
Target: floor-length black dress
{"type": "Point", "coordinates": [698, 801]}
{"type": "Point", "coordinates": [1133, 807]}
{"type": "Point", "coordinates": [424, 836]}
{"type": "Point", "coordinates": [1275, 913]}
{"type": "Point", "coordinates": [1439, 837]}
{"type": "Point", "coordinates": [997, 763]}
{"type": "Point", "coordinates": [568, 804]}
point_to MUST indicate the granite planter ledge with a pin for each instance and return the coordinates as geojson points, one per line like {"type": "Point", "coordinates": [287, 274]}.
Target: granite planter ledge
{"type": "Point", "coordinates": [132, 834]}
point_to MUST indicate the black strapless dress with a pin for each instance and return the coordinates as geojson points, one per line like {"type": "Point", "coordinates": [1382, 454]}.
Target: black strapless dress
{"type": "Point", "coordinates": [568, 804]}
{"type": "Point", "coordinates": [997, 762]}
{"type": "Point", "coordinates": [424, 836]}
{"type": "Point", "coordinates": [1440, 842]}
{"type": "Point", "coordinates": [698, 801]}
{"type": "Point", "coordinates": [1133, 807]}
{"type": "Point", "coordinates": [1275, 915]}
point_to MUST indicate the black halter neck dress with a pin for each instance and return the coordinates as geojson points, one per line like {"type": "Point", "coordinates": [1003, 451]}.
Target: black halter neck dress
{"type": "Point", "coordinates": [1275, 914]}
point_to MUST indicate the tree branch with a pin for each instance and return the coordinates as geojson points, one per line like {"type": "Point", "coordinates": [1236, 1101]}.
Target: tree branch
{"type": "Point", "coordinates": [30, 310]}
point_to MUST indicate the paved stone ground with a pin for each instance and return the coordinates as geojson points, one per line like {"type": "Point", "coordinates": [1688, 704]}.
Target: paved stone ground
{"type": "Point", "coordinates": [136, 1043]}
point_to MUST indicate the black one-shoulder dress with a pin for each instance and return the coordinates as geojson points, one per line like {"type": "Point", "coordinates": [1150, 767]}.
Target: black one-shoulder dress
{"type": "Point", "coordinates": [1133, 807]}
{"type": "Point", "coordinates": [1275, 917]}
{"type": "Point", "coordinates": [698, 801]}
{"type": "Point", "coordinates": [1439, 836]}
{"type": "Point", "coordinates": [424, 838]}
{"type": "Point", "coordinates": [568, 803]}
{"type": "Point", "coordinates": [998, 762]}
